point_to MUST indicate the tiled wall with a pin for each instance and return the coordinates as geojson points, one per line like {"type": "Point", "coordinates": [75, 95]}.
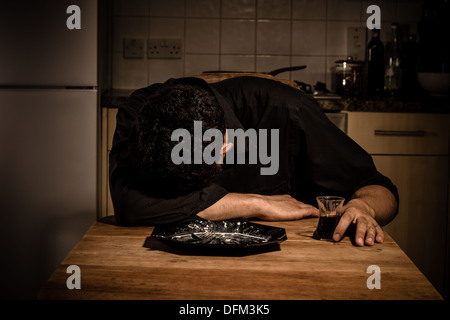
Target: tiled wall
{"type": "Point", "coordinates": [245, 35]}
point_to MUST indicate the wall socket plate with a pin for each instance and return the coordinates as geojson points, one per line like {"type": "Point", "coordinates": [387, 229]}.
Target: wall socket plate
{"type": "Point", "coordinates": [164, 48]}
{"type": "Point", "coordinates": [356, 43]}
{"type": "Point", "coordinates": [133, 48]}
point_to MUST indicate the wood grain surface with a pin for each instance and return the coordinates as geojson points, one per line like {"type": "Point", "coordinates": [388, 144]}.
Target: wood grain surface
{"type": "Point", "coordinates": [114, 264]}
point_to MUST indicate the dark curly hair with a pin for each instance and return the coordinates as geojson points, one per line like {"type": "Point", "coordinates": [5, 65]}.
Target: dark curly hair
{"type": "Point", "coordinates": [173, 107]}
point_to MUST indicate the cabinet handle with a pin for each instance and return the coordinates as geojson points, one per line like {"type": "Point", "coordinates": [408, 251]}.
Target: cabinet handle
{"type": "Point", "coordinates": [418, 133]}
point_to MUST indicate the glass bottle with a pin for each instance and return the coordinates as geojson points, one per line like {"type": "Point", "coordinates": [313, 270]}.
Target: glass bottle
{"type": "Point", "coordinates": [375, 66]}
{"type": "Point", "coordinates": [393, 77]}
{"type": "Point", "coordinates": [410, 84]}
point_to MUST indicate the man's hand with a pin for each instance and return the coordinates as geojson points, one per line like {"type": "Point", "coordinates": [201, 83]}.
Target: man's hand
{"type": "Point", "coordinates": [270, 208]}
{"type": "Point", "coordinates": [358, 213]}
{"type": "Point", "coordinates": [284, 207]}
{"type": "Point", "coordinates": [370, 207]}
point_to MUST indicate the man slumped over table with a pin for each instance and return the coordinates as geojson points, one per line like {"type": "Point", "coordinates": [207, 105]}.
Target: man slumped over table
{"type": "Point", "coordinates": [151, 184]}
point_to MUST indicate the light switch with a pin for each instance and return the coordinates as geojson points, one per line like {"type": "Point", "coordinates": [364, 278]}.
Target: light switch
{"type": "Point", "coordinates": [133, 48]}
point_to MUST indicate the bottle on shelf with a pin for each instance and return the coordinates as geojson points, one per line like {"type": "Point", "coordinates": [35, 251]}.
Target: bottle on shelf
{"type": "Point", "coordinates": [410, 83]}
{"type": "Point", "coordinates": [375, 66]}
{"type": "Point", "coordinates": [393, 72]}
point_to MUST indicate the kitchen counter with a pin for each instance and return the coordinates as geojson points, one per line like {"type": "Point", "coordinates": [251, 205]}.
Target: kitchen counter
{"type": "Point", "coordinates": [115, 98]}
{"type": "Point", "coordinates": [423, 105]}
{"type": "Point", "coordinates": [121, 263]}
{"type": "Point", "coordinates": [415, 102]}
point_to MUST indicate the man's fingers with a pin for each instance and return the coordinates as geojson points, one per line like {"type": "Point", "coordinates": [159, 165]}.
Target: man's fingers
{"type": "Point", "coordinates": [361, 229]}
{"type": "Point", "coordinates": [380, 234]}
{"type": "Point", "coordinates": [368, 233]}
{"type": "Point", "coordinates": [304, 210]}
{"type": "Point", "coordinates": [310, 211]}
{"type": "Point", "coordinates": [342, 226]}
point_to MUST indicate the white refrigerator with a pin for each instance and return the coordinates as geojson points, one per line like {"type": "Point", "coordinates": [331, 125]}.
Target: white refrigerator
{"type": "Point", "coordinates": [48, 137]}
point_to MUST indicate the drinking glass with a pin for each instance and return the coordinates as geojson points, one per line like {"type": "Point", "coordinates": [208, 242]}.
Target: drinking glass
{"type": "Point", "coordinates": [330, 211]}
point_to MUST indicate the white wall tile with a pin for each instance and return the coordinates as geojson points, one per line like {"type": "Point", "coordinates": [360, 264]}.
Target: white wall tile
{"type": "Point", "coordinates": [202, 36]}
{"type": "Point", "coordinates": [344, 10]}
{"type": "Point", "coordinates": [167, 8]}
{"type": "Point", "coordinates": [203, 8]}
{"type": "Point", "coordinates": [198, 63]}
{"type": "Point", "coordinates": [128, 73]}
{"type": "Point", "coordinates": [331, 72]}
{"type": "Point", "coordinates": [246, 35]}
{"type": "Point", "coordinates": [315, 69]}
{"type": "Point", "coordinates": [239, 9]}
{"type": "Point", "coordinates": [269, 63]}
{"type": "Point", "coordinates": [130, 7]}
{"type": "Point", "coordinates": [128, 27]}
{"type": "Point", "coordinates": [309, 10]}
{"type": "Point", "coordinates": [238, 36]}
{"type": "Point", "coordinates": [274, 9]}
{"type": "Point", "coordinates": [160, 70]}
{"type": "Point", "coordinates": [308, 37]}
{"type": "Point", "coordinates": [337, 37]}
{"type": "Point", "coordinates": [166, 28]}
{"type": "Point", "coordinates": [240, 63]}
{"type": "Point", "coordinates": [273, 37]}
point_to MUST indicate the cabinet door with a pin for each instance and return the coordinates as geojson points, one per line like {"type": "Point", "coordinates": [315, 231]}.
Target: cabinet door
{"type": "Point", "coordinates": [400, 133]}
{"type": "Point", "coordinates": [420, 226]}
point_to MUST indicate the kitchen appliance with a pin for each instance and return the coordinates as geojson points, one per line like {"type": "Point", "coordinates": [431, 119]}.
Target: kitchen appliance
{"type": "Point", "coordinates": [48, 137]}
{"type": "Point", "coordinates": [349, 78]}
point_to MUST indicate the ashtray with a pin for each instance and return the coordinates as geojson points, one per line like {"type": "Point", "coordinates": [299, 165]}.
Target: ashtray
{"type": "Point", "coordinates": [223, 234]}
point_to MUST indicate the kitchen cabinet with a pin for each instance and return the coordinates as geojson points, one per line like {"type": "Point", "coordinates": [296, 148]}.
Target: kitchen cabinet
{"type": "Point", "coordinates": [413, 151]}
{"type": "Point", "coordinates": [108, 128]}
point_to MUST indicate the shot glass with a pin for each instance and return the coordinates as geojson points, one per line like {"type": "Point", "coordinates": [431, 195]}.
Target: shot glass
{"type": "Point", "coordinates": [330, 211]}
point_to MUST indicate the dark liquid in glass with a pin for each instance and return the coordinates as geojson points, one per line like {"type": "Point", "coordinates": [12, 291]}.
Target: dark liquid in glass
{"type": "Point", "coordinates": [326, 226]}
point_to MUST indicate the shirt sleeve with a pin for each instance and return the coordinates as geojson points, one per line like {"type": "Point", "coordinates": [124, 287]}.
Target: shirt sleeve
{"type": "Point", "coordinates": [334, 162]}
{"type": "Point", "coordinates": [132, 205]}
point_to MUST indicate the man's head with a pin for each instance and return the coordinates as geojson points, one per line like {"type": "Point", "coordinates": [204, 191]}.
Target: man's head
{"type": "Point", "coordinates": [176, 106]}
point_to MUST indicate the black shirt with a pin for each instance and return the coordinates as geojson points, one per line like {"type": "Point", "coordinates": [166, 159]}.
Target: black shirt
{"type": "Point", "coordinates": [315, 157]}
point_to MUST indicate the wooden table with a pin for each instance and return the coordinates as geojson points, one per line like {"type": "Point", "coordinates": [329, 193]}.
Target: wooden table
{"type": "Point", "coordinates": [114, 264]}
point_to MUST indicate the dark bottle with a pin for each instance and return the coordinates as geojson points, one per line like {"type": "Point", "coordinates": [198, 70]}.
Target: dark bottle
{"type": "Point", "coordinates": [375, 66]}
{"type": "Point", "coordinates": [410, 83]}
{"type": "Point", "coordinates": [393, 76]}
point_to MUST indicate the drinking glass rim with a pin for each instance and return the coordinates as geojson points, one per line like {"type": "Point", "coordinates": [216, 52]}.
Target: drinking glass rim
{"type": "Point", "coordinates": [330, 198]}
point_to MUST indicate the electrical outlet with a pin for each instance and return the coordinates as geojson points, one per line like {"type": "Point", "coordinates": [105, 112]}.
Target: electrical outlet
{"type": "Point", "coordinates": [164, 48]}
{"type": "Point", "coordinates": [133, 48]}
{"type": "Point", "coordinates": [356, 43]}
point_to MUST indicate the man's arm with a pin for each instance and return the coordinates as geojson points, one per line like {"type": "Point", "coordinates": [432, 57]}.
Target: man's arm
{"type": "Point", "coordinates": [370, 207]}
{"type": "Point", "coordinates": [271, 208]}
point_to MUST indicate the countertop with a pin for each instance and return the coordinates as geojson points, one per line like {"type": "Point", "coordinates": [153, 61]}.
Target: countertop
{"type": "Point", "coordinates": [424, 104]}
